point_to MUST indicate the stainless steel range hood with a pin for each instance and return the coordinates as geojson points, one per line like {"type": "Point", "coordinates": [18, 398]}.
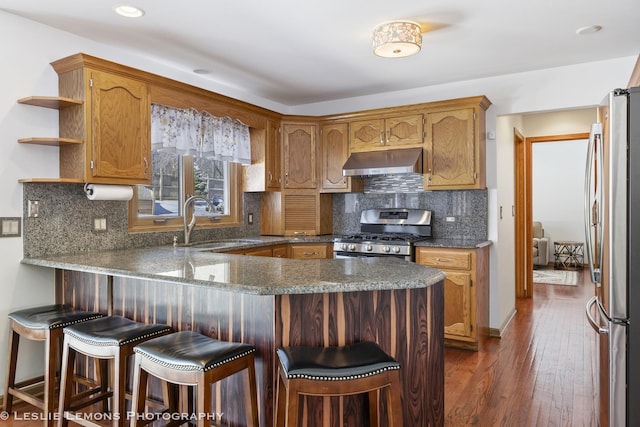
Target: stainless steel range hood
{"type": "Point", "coordinates": [387, 162]}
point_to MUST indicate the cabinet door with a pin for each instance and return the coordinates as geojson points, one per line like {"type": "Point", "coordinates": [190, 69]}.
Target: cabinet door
{"type": "Point", "coordinates": [274, 156]}
{"type": "Point", "coordinates": [457, 305]}
{"type": "Point", "coordinates": [335, 151]}
{"type": "Point", "coordinates": [299, 156]}
{"type": "Point", "coordinates": [451, 149]}
{"type": "Point", "coordinates": [120, 128]}
{"type": "Point", "coordinates": [366, 135]}
{"type": "Point", "coordinates": [280, 252]}
{"type": "Point", "coordinates": [404, 130]}
{"type": "Point", "coordinates": [300, 214]}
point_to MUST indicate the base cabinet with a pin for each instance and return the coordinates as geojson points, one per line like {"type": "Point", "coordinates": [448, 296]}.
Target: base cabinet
{"type": "Point", "coordinates": [311, 250]}
{"type": "Point", "coordinates": [466, 293]}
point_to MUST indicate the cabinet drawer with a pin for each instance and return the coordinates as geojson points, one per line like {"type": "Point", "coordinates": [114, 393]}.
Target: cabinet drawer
{"type": "Point", "coordinates": [309, 251]}
{"type": "Point", "coordinates": [445, 259]}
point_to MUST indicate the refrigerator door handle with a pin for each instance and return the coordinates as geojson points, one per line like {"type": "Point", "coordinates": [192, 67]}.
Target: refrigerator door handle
{"type": "Point", "coordinates": [593, 205]}
{"type": "Point", "coordinates": [596, 327]}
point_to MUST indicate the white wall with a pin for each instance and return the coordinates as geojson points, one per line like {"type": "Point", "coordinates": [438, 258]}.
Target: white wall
{"type": "Point", "coordinates": [558, 172]}
{"type": "Point", "coordinates": [27, 48]}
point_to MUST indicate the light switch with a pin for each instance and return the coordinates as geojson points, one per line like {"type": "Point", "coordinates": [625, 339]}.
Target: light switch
{"type": "Point", "coordinates": [10, 227]}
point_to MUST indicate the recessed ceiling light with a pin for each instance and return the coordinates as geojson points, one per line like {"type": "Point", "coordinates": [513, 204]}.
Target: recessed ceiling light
{"type": "Point", "coordinates": [128, 11]}
{"type": "Point", "coordinates": [590, 29]}
{"type": "Point", "coordinates": [202, 71]}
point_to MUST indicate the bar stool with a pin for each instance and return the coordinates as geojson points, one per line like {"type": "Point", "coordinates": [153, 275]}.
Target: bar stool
{"type": "Point", "coordinates": [43, 323]}
{"type": "Point", "coordinates": [337, 371]}
{"type": "Point", "coordinates": [190, 358]}
{"type": "Point", "coordinates": [108, 338]}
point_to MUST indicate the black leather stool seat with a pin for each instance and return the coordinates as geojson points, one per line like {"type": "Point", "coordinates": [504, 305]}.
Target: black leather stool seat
{"type": "Point", "coordinates": [114, 331]}
{"type": "Point", "coordinates": [51, 316]}
{"type": "Point", "coordinates": [343, 363]}
{"type": "Point", "coordinates": [191, 351]}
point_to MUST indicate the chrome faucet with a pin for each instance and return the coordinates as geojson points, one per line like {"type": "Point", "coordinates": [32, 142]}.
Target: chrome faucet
{"type": "Point", "coordinates": [189, 226]}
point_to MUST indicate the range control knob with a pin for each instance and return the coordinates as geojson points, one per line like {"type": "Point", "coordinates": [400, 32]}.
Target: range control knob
{"type": "Point", "coordinates": [368, 248]}
{"type": "Point", "coordinates": [352, 247]}
{"type": "Point", "coordinates": [386, 248]}
{"type": "Point", "coordinates": [343, 246]}
{"type": "Point", "coordinates": [396, 249]}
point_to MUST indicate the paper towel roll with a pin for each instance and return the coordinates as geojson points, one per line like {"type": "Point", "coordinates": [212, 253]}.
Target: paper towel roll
{"type": "Point", "coordinates": [108, 192]}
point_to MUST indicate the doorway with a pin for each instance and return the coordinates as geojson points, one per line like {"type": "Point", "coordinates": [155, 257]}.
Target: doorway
{"type": "Point", "coordinates": [524, 206]}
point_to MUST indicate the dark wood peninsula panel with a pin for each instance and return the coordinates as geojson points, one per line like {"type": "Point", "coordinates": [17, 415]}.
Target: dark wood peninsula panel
{"type": "Point", "coordinates": [407, 323]}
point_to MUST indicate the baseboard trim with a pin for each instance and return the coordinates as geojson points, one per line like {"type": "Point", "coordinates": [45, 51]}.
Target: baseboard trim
{"type": "Point", "coordinates": [497, 333]}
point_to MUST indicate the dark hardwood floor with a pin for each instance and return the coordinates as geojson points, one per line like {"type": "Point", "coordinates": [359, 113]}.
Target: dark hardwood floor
{"type": "Point", "coordinates": [538, 374]}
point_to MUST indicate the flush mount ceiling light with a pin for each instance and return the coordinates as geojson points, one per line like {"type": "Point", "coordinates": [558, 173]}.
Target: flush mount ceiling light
{"type": "Point", "coordinates": [397, 39]}
{"type": "Point", "coordinates": [128, 11]}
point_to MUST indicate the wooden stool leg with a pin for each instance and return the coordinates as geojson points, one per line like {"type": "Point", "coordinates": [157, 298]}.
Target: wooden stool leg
{"type": "Point", "coordinates": [394, 405]}
{"type": "Point", "coordinates": [251, 399]}
{"type": "Point", "coordinates": [12, 362]}
{"type": "Point", "coordinates": [374, 415]}
{"type": "Point", "coordinates": [68, 361]}
{"type": "Point", "coordinates": [103, 381]}
{"type": "Point", "coordinates": [119, 385]}
{"type": "Point", "coordinates": [139, 393]}
{"type": "Point", "coordinates": [50, 372]}
{"type": "Point", "coordinates": [292, 402]}
{"type": "Point", "coordinates": [280, 401]}
{"type": "Point", "coordinates": [203, 401]}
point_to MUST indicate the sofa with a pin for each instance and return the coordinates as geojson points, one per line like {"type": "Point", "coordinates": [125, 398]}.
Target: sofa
{"type": "Point", "coordinates": [540, 245]}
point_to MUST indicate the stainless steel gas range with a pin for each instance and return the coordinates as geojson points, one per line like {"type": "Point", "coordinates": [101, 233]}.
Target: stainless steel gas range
{"type": "Point", "coordinates": [385, 232]}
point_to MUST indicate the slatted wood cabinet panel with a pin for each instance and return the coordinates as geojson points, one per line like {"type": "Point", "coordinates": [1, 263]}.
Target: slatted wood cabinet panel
{"type": "Point", "coordinates": [406, 323]}
{"type": "Point", "coordinates": [466, 292]}
{"type": "Point", "coordinates": [296, 213]}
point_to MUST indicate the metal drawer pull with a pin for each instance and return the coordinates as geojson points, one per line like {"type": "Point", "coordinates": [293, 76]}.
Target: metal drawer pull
{"type": "Point", "coordinates": [443, 259]}
{"type": "Point", "coordinates": [310, 253]}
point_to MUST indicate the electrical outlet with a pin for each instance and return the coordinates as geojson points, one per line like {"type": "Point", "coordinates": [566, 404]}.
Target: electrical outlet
{"type": "Point", "coordinates": [100, 224]}
{"type": "Point", "coordinates": [250, 218]}
{"type": "Point", "coordinates": [33, 207]}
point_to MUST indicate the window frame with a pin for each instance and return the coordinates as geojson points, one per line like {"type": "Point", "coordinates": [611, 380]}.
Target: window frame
{"type": "Point", "coordinates": [138, 224]}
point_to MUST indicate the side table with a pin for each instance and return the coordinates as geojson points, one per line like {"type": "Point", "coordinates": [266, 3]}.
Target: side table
{"type": "Point", "coordinates": [569, 255]}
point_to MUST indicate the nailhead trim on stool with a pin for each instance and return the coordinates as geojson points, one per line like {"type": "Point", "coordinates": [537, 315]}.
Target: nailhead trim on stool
{"type": "Point", "coordinates": [337, 371]}
{"type": "Point", "coordinates": [109, 338]}
{"type": "Point", "coordinates": [42, 323]}
{"type": "Point", "coordinates": [190, 358]}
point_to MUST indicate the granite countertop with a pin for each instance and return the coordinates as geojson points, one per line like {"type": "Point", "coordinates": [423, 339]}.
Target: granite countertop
{"type": "Point", "coordinates": [202, 265]}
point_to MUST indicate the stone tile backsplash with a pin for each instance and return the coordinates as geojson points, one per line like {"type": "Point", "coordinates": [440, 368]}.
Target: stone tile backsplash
{"type": "Point", "coordinates": [467, 207]}
{"type": "Point", "coordinates": [66, 216]}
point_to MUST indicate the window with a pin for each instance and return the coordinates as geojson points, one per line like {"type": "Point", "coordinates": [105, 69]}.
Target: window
{"type": "Point", "coordinates": [190, 156]}
{"type": "Point", "coordinates": [158, 206]}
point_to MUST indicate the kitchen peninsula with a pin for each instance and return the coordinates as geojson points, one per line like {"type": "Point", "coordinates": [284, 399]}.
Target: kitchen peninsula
{"type": "Point", "coordinates": [273, 302]}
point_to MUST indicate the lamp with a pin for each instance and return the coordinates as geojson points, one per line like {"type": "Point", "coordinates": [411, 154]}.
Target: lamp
{"type": "Point", "coordinates": [397, 39]}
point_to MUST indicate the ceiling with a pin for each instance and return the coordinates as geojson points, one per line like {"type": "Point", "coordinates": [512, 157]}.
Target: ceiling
{"type": "Point", "coordinates": [301, 52]}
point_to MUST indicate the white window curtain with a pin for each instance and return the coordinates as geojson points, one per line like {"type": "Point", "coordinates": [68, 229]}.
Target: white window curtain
{"type": "Point", "coordinates": [198, 133]}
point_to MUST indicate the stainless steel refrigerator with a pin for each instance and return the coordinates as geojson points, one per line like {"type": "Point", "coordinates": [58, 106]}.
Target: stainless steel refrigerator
{"type": "Point", "coordinates": [612, 227]}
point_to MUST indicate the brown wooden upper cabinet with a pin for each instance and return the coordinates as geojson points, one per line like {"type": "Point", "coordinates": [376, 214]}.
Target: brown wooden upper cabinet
{"type": "Point", "coordinates": [385, 133]}
{"type": "Point", "coordinates": [120, 128]}
{"type": "Point", "coordinates": [274, 156]}
{"type": "Point", "coordinates": [114, 122]}
{"type": "Point", "coordinates": [455, 146]}
{"type": "Point", "coordinates": [300, 158]}
{"type": "Point", "coordinates": [334, 144]}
